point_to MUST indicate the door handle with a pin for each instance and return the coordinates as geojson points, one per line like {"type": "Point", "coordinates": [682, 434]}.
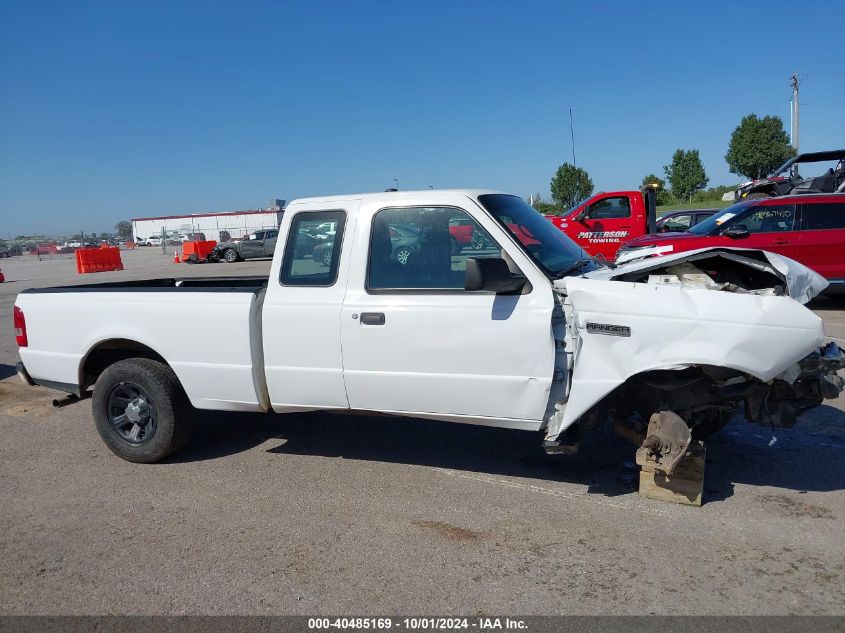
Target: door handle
{"type": "Point", "coordinates": [781, 241]}
{"type": "Point", "coordinates": [372, 318]}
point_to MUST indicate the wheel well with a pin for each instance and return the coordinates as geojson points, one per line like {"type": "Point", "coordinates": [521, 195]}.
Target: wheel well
{"type": "Point", "coordinates": [108, 353]}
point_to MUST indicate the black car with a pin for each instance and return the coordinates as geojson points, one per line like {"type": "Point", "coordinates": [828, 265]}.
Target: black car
{"type": "Point", "coordinates": [682, 220]}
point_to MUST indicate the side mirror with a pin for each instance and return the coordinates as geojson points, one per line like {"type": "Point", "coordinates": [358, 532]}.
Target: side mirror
{"type": "Point", "coordinates": [737, 232]}
{"type": "Point", "coordinates": [493, 275]}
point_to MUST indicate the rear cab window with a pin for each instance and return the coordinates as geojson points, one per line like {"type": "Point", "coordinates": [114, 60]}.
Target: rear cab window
{"type": "Point", "coordinates": [312, 249]}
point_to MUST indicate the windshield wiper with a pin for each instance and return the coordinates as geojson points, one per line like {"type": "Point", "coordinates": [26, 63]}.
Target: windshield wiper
{"type": "Point", "coordinates": [578, 264]}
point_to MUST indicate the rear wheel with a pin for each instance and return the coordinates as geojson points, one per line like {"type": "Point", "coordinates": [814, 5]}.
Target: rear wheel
{"type": "Point", "coordinates": [140, 410]}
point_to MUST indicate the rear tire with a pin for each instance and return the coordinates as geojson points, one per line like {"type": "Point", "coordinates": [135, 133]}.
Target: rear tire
{"type": "Point", "coordinates": [156, 389]}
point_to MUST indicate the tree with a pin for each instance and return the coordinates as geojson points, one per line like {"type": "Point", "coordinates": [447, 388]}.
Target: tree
{"type": "Point", "coordinates": [546, 208]}
{"type": "Point", "coordinates": [570, 185]}
{"type": "Point", "coordinates": [662, 196]}
{"type": "Point", "coordinates": [123, 228]}
{"type": "Point", "coordinates": [758, 146]}
{"type": "Point", "coordinates": [685, 174]}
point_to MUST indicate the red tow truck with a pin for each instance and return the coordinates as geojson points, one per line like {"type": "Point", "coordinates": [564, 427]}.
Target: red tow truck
{"type": "Point", "coordinates": [601, 223]}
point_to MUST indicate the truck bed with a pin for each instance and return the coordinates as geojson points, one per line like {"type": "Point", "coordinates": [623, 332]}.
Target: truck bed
{"type": "Point", "coordinates": [207, 329]}
{"type": "Point", "coordinates": [173, 284]}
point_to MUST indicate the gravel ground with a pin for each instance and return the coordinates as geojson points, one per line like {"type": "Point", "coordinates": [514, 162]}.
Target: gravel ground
{"type": "Point", "coordinates": [328, 513]}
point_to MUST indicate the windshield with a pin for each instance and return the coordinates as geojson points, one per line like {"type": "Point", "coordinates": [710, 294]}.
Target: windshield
{"type": "Point", "coordinates": [540, 239]}
{"type": "Point", "coordinates": [716, 222]}
{"type": "Point", "coordinates": [576, 205]}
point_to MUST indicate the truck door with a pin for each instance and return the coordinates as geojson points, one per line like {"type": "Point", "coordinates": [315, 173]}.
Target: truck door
{"type": "Point", "coordinates": [300, 319]}
{"type": "Point", "coordinates": [414, 341]}
{"type": "Point", "coordinates": [603, 225]}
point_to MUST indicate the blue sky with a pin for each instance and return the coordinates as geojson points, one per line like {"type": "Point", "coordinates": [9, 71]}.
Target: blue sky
{"type": "Point", "coordinates": [111, 110]}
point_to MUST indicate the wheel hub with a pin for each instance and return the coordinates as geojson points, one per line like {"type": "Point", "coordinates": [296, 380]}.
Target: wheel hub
{"type": "Point", "coordinates": [138, 411]}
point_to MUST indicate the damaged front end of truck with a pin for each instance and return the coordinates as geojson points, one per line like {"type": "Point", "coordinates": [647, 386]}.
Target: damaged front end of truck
{"type": "Point", "coordinates": [669, 349]}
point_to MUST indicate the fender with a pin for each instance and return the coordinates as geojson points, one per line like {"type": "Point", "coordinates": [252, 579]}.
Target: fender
{"type": "Point", "coordinates": [623, 329]}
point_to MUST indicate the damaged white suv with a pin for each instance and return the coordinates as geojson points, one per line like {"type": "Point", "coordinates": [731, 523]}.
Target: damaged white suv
{"type": "Point", "coordinates": [517, 329]}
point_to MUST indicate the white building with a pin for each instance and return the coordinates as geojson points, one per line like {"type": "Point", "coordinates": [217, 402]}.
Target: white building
{"type": "Point", "coordinates": [216, 226]}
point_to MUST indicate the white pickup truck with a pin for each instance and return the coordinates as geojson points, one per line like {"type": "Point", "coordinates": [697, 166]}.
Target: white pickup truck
{"type": "Point", "coordinates": [522, 330]}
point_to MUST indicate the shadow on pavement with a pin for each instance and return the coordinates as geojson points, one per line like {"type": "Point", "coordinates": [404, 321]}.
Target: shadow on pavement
{"type": "Point", "coordinates": [6, 371]}
{"type": "Point", "coordinates": [806, 458]}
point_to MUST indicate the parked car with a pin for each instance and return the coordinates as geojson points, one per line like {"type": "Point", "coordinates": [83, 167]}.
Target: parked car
{"type": "Point", "coordinates": [809, 229]}
{"type": "Point", "coordinates": [460, 234]}
{"type": "Point", "coordinates": [539, 339]}
{"type": "Point", "coordinates": [5, 251]}
{"type": "Point", "coordinates": [786, 180]}
{"type": "Point", "coordinates": [259, 244]}
{"type": "Point", "coordinates": [73, 244]}
{"type": "Point", "coordinates": [155, 240]}
{"type": "Point", "coordinates": [682, 220]}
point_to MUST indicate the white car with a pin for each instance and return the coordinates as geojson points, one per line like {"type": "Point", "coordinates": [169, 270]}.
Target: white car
{"type": "Point", "coordinates": [532, 335]}
{"type": "Point", "coordinates": [153, 241]}
{"type": "Point", "coordinates": [73, 244]}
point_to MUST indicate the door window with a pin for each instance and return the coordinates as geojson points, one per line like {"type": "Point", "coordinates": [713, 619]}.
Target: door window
{"type": "Point", "coordinates": [677, 223]}
{"type": "Point", "coordinates": [773, 218]}
{"type": "Point", "coordinates": [312, 255]}
{"type": "Point", "coordinates": [823, 216]}
{"type": "Point", "coordinates": [610, 208]}
{"type": "Point", "coordinates": [424, 247]}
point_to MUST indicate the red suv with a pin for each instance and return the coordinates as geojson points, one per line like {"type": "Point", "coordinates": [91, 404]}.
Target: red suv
{"type": "Point", "coordinates": [809, 229]}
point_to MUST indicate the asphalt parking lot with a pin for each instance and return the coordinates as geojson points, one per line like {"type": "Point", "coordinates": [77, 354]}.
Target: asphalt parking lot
{"type": "Point", "coordinates": [318, 513]}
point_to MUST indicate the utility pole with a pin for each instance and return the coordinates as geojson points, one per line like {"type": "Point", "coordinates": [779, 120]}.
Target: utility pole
{"type": "Point", "coordinates": [572, 137]}
{"type": "Point", "coordinates": [793, 108]}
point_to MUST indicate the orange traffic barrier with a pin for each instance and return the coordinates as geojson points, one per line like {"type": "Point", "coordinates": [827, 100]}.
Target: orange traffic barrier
{"type": "Point", "coordinates": [201, 249]}
{"type": "Point", "coordinates": [98, 260]}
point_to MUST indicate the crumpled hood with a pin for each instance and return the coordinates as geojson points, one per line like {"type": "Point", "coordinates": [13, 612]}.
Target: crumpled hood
{"type": "Point", "coordinates": [802, 283]}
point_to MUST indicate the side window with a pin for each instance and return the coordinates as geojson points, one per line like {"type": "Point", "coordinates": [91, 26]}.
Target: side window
{"type": "Point", "coordinates": [773, 218]}
{"type": "Point", "coordinates": [823, 216]}
{"type": "Point", "coordinates": [610, 208]}
{"type": "Point", "coordinates": [424, 247]}
{"type": "Point", "coordinates": [677, 223]}
{"type": "Point", "coordinates": [311, 258]}
{"type": "Point", "coordinates": [272, 234]}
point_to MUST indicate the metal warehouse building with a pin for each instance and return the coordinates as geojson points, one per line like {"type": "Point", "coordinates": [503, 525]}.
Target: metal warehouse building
{"type": "Point", "coordinates": [216, 226]}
